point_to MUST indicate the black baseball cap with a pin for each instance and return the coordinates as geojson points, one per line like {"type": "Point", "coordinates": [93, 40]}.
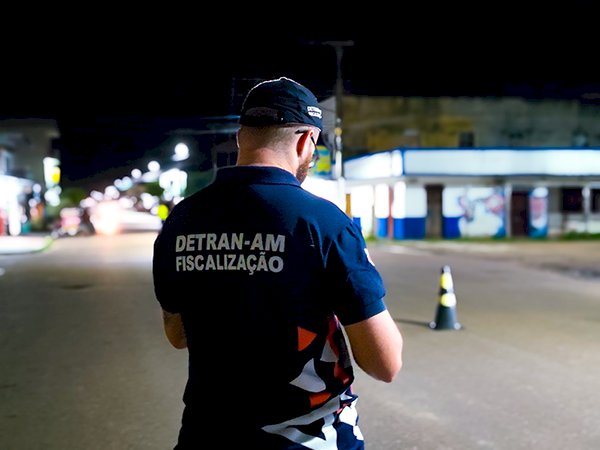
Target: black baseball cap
{"type": "Point", "coordinates": [280, 101]}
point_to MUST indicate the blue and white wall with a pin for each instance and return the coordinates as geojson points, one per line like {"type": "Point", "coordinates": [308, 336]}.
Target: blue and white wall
{"type": "Point", "coordinates": [409, 211]}
{"type": "Point", "coordinates": [362, 201]}
{"type": "Point", "coordinates": [394, 211]}
{"type": "Point", "coordinates": [383, 197]}
{"type": "Point", "coordinates": [387, 191]}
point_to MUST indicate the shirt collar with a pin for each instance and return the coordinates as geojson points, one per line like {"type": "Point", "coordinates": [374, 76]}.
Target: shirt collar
{"type": "Point", "coordinates": [256, 174]}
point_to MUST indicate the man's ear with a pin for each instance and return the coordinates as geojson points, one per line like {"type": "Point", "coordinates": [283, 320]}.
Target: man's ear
{"type": "Point", "coordinates": [302, 147]}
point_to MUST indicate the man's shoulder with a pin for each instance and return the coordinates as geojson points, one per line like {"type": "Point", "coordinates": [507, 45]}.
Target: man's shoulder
{"type": "Point", "coordinates": [318, 203]}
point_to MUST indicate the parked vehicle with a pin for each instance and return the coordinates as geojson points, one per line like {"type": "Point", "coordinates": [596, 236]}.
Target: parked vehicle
{"type": "Point", "coordinates": [73, 222]}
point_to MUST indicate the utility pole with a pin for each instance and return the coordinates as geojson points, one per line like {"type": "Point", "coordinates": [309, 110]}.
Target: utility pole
{"type": "Point", "coordinates": [339, 91]}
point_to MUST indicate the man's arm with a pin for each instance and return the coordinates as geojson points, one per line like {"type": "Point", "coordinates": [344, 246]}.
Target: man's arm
{"type": "Point", "coordinates": [377, 346]}
{"type": "Point", "coordinates": [174, 329]}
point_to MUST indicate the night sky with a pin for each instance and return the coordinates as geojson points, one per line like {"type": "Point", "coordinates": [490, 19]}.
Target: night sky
{"type": "Point", "coordinates": [116, 92]}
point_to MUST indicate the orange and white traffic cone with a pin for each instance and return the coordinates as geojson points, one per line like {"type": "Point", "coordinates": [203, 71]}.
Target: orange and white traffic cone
{"type": "Point", "coordinates": [445, 318]}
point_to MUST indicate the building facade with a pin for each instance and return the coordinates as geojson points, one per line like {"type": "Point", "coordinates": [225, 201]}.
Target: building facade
{"type": "Point", "coordinates": [475, 192]}
{"type": "Point", "coordinates": [29, 173]}
{"type": "Point", "coordinates": [419, 168]}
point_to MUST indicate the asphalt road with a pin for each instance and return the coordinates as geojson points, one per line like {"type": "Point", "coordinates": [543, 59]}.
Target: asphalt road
{"type": "Point", "coordinates": [84, 363]}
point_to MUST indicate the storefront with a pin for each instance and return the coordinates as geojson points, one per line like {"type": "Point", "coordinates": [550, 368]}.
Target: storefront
{"type": "Point", "coordinates": [15, 214]}
{"type": "Point", "coordinates": [491, 192]}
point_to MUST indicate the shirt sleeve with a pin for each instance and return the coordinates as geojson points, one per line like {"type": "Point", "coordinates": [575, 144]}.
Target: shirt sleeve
{"type": "Point", "coordinates": [359, 284]}
{"type": "Point", "coordinates": [162, 273]}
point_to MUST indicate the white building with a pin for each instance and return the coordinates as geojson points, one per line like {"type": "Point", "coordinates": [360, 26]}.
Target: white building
{"type": "Point", "coordinates": [471, 192]}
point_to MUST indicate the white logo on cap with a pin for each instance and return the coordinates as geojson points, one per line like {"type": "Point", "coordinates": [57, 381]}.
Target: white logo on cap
{"type": "Point", "coordinates": [314, 111]}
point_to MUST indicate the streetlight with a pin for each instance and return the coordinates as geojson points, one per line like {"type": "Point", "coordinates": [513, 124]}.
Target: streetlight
{"type": "Point", "coordinates": [153, 166]}
{"type": "Point", "coordinates": [339, 90]}
{"type": "Point", "coordinates": [182, 152]}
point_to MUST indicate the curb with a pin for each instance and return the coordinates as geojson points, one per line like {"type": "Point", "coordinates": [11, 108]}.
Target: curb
{"type": "Point", "coordinates": [23, 245]}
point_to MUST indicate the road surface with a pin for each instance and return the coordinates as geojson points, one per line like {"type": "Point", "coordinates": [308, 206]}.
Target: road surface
{"type": "Point", "coordinates": [84, 363]}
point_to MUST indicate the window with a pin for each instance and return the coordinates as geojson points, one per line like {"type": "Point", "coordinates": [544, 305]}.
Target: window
{"type": "Point", "coordinates": [572, 200]}
{"type": "Point", "coordinates": [466, 139]}
{"type": "Point", "coordinates": [595, 200]}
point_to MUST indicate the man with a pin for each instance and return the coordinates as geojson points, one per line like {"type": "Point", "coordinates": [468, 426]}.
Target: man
{"type": "Point", "coordinates": [256, 277]}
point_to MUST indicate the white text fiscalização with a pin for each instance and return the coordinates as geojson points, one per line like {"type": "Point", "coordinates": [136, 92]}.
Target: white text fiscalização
{"type": "Point", "coordinates": [254, 254]}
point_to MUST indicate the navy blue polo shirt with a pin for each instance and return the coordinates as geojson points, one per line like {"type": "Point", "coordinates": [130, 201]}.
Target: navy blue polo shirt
{"type": "Point", "coordinates": [264, 273]}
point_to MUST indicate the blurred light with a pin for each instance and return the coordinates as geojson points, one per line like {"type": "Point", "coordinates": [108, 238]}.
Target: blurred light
{"type": "Point", "coordinates": [136, 173]}
{"type": "Point", "coordinates": [52, 196]}
{"type": "Point", "coordinates": [96, 195]}
{"type": "Point", "coordinates": [9, 187]}
{"type": "Point", "coordinates": [126, 202]}
{"type": "Point", "coordinates": [51, 171]}
{"type": "Point", "coordinates": [106, 218]}
{"type": "Point", "coordinates": [111, 217]}
{"type": "Point", "coordinates": [153, 166]}
{"type": "Point", "coordinates": [173, 182]}
{"type": "Point", "coordinates": [123, 184]}
{"type": "Point", "coordinates": [127, 182]}
{"type": "Point", "coordinates": [149, 177]}
{"type": "Point", "coordinates": [182, 152]}
{"type": "Point", "coordinates": [111, 192]}
{"type": "Point", "coordinates": [148, 200]}
{"type": "Point", "coordinates": [88, 202]}
{"type": "Point", "coordinates": [70, 220]}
